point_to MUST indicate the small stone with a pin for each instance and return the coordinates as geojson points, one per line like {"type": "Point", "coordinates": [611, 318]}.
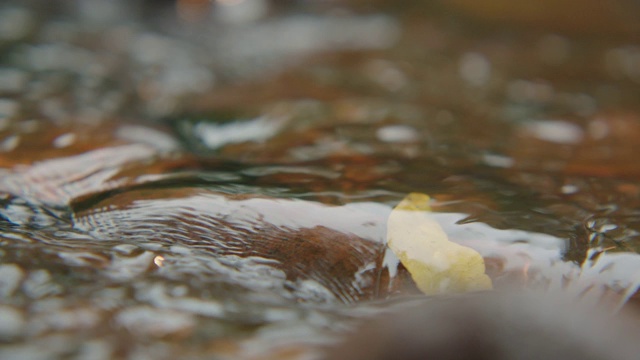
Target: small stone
{"type": "Point", "coordinates": [64, 140]}
{"type": "Point", "coordinates": [10, 277]}
{"type": "Point", "coordinates": [15, 23]}
{"type": "Point", "coordinates": [475, 69]}
{"type": "Point", "coordinates": [397, 134]}
{"type": "Point", "coordinates": [9, 108]}
{"type": "Point", "coordinates": [39, 284]}
{"type": "Point", "coordinates": [147, 321]}
{"type": "Point", "coordinates": [10, 143]}
{"type": "Point", "coordinates": [12, 81]}
{"type": "Point", "coordinates": [12, 323]}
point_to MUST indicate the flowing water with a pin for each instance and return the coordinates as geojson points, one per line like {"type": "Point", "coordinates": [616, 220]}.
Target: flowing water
{"type": "Point", "coordinates": [213, 179]}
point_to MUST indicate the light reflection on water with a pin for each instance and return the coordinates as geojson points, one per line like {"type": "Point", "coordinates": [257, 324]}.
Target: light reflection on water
{"type": "Point", "coordinates": [311, 242]}
{"type": "Point", "coordinates": [537, 260]}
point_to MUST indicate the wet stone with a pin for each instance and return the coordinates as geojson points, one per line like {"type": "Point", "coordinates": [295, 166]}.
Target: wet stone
{"type": "Point", "coordinates": [12, 81]}
{"type": "Point", "coordinates": [146, 321]}
{"type": "Point", "coordinates": [11, 276]}
{"type": "Point", "coordinates": [39, 284]}
{"type": "Point", "coordinates": [12, 323]}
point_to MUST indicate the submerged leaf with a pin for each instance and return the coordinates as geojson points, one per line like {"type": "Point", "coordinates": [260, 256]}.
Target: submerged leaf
{"type": "Point", "coordinates": [436, 264]}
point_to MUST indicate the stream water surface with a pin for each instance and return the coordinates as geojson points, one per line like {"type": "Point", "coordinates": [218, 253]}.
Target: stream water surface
{"type": "Point", "coordinates": [212, 179]}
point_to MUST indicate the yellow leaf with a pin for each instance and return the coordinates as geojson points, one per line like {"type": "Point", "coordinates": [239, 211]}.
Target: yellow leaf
{"type": "Point", "coordinates": [436, 264]}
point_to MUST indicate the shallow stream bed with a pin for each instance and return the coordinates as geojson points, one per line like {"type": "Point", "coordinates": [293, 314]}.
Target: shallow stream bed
{"type": "Point", "coordinates": [212, 179]}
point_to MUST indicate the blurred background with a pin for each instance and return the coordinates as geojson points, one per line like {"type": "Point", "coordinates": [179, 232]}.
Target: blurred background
{"type": "Point", "coordinates": [160, 160]}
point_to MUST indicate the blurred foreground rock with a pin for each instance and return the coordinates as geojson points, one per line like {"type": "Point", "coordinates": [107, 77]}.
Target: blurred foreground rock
{"type": "Point", "coordinates": [496, 325]}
